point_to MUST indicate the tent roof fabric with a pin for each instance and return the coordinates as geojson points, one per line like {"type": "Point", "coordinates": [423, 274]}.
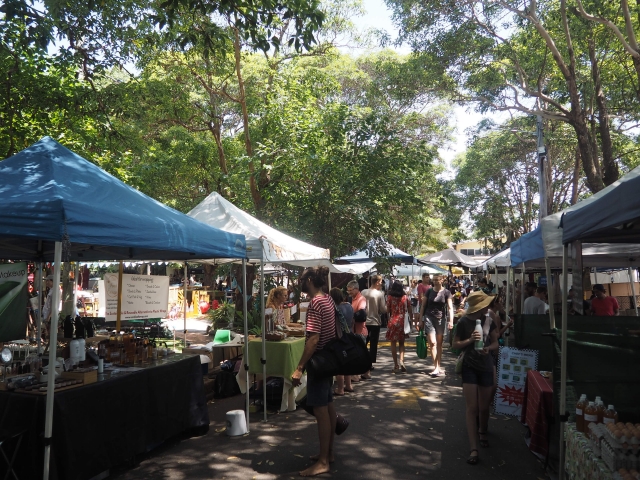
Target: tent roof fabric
{"type": "Point", "coordinates": [601, 220]}
{"type": "Point", "coordinates": [527, 248]}
{"type": "Point", "coordinates": [279, 247]}
{"type": "Point", "coordinates": [48, 191]}
{"type": "Point", "coordinates": [449, 256]}
{"type": "Point", "coordinates": [377, 249]}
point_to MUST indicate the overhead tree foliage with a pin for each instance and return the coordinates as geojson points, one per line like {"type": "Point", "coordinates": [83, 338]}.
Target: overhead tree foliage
{"type": "Point", "coordinates": [533, 58]}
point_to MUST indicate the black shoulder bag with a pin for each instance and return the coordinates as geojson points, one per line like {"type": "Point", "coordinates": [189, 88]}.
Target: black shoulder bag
{"type": "Point", "coordinates": [346, 354]}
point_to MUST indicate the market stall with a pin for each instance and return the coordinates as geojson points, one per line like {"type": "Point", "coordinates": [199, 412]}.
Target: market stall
{"type": "Point", "coordinates": [57, 206]}
{"type": "Point", "coordinates": [587, 222]}
{"type": "Point", "coordinates": [265, 244]}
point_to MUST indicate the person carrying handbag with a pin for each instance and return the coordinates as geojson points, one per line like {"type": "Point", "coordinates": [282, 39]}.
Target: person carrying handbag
{"type": "Point", "coordinates": [321, 329]}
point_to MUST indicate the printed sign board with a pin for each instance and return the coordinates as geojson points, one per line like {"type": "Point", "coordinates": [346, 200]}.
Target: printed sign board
{"type": "Point", "coordinates": [513, 365]}
{"type": "Point", "coordinates": [143, 296]}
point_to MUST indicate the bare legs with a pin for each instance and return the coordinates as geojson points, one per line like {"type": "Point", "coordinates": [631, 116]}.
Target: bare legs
{"type": "Point", "coordinates": [344, 384]}
{"type": "Point", "coordinates": [438, 353]}
{"type": "Point", "coordinates": [326, 419]}
{"type": "Point", "coordinates": [431, 338]}
{"type": "Point", "coordinates": [477, 400]}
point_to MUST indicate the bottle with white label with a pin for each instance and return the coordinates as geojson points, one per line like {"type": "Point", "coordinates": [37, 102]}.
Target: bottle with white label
{"type": "Point", "coordinates": [479, 344]}
{"type": "Point", "coordinates": [580, 406]}
{"type": "Point", "coordinates": [610, 415]}
{"type": "Point", "coordinates": [600, 408]}
{"type": "Point", "coordinates": [590, 416]}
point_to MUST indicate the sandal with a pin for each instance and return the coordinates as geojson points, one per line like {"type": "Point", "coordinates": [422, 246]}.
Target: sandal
{"type": "Point", "coordinates": [403, 368]}
{"type": "Point", "coordinates": [473, 459]}
{"type": "Point", "coordinates": [484, 443]}
{"type": "Point", "coordinates": [365, 378]}
{"type": "Point", "coordinates": [336, 394]}
{"type": "Point", "coordinates": [349, 390]}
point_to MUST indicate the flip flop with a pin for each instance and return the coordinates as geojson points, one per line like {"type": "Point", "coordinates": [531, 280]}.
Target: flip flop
{"type": "Point", "coordinates": [365, 378]}
{"type": "Point", "coordinates": [350, 390]}
{"type": "Point", "coordinates": [336, 394]}
{"type": "Point", "coordinates": [473, 459]}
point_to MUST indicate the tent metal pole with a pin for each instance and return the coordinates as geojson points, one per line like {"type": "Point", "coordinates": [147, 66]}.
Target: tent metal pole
{"type": "Point", "coordinates": [522, 290]}
{"type": "Point", "coordinates": [39, 317]}
{"type": "Point", "coordinates": [184, 301]}
{"type": "Point", "coordinates": [119, 308]}
{"type": "Point", "coordinates": [53, 344]}
{"type": "Point", "coordinates": [246, 337]}
{"type": "Point", "coordinates": [508, 294]}
{"type": "Point", "coordinates": [563, 357]}
{"type": "Point", "coordinates": [550, 293]}
{"type": "Point", "coordinates": [632, 281]}
{"type": "Point", "coordinates": [264, 333]}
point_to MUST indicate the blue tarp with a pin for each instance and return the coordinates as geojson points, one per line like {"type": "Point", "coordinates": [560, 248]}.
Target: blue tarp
{"type": "Point", "coordinates": [47, 191]}
{"type": "Point", "coordinates": [527, 248]}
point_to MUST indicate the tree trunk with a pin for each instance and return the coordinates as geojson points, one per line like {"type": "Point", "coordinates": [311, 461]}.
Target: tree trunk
{"type": "Point", "coordinates": [66, 277]}
{"type": "Point", "coordinates": [609, 166]}
{"type": "Point", "coordinates": [576, 179]}
{"type": "Point", "coordinates": [208, 279]}
{"type": "Point", "coordinates": [258, 201]}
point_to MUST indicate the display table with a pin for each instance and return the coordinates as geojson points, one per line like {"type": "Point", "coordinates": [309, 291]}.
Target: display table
{"type": "Point", "coordinates": [110, 422]}
{"type": "Point", "coordinates": [282, 361]}
{"type": "Point", "coordinates": [537, 411]}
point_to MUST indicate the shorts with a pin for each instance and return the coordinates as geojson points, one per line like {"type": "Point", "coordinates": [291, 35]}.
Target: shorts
{"type": "Point", "coordinates": [319, 392]}
{"type": "Point", "coordinates": [482, 379]}
{"type": "Point", "coordinates": [434, 325]}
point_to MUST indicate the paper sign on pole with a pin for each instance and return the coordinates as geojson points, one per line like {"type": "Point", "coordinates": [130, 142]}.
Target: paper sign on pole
{"type": "Point", "coordinates": [513, 365]}
{"type": "Point", "coordinates": [143, 296]}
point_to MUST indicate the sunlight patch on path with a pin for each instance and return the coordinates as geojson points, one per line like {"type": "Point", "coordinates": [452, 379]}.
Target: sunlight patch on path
{"type": "Point", "coordinates": [408, 399]}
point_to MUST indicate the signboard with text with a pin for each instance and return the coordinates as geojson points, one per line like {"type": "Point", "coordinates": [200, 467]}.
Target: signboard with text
{"type": "Point", "coordinates": [143, 296]}
{"type": "Point", "coordinates": [13, 301]}
{"type": "Point", "coordinates": [513, 365]}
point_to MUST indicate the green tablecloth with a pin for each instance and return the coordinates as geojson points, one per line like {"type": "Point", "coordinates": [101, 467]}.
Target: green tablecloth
{"type": "Point", "coordinates": [282, 357]}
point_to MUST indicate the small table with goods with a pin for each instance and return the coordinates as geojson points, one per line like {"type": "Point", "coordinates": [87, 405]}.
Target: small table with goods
{"type": "Point", "coordinates": [282, 360]}
{"type": "Point", "coordinates": [537, 411]}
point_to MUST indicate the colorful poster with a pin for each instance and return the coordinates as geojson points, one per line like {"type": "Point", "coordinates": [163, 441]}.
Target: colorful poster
{"type": "Point", "coordinates": [513, 365]}
{"type": "Point", "coordinates": [14, 299]}
{"type": "Point", "coordinates": [143, 296]}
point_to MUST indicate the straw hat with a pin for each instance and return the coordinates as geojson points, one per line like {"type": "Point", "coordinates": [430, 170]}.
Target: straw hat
{"type": "Point", "coordinates": [477, 301]}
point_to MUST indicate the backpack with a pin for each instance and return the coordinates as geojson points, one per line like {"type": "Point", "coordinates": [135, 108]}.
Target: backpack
{"type": "Point", "coordinates": [225, 385]}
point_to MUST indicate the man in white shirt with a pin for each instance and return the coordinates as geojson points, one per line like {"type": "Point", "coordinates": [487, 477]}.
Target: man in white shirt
{"type": "Point", "coordinates": [535, 304]}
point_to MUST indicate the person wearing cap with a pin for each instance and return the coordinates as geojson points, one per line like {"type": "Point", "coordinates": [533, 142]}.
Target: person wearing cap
{"type": "Point", "coordinates": [477, 368]}
{"type": "Point", "coordinates": [602, 305]}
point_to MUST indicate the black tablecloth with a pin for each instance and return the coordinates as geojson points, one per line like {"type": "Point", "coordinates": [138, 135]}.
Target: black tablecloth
{"type": "Point", "coordinates": [108, 423]}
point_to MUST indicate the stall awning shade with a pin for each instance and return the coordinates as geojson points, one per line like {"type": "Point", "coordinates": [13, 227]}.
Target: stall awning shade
{"type": "Point", "coordinates": [527, 248]}
{"type": "Point", "coordinates": [450, 256]}
{"type": "Point", "coordinates": [48, 194]}
{"type": "Point", "coordinates": [613, 216]}
{"type": "Point", "coordinates": [377, 249]}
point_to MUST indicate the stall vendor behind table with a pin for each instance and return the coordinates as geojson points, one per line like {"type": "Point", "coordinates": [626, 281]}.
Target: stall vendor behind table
{"type": "Point", "coordinates": [276, 300]}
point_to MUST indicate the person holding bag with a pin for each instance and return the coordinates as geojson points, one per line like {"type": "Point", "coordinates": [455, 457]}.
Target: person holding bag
{"type": "Point", "coordinates": [321, 329]}
{"type": "Point", "coordinates": [398, 306]}
{"type": "Point", "coordinates": [477, 367]}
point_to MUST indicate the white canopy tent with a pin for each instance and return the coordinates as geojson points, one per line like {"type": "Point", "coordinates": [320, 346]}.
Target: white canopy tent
{"type": "Point", "coordinates": [415, 270]}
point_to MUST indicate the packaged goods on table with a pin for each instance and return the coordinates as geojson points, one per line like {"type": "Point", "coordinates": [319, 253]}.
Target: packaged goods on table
{"type": "Point", "coordinates": [581, 462]}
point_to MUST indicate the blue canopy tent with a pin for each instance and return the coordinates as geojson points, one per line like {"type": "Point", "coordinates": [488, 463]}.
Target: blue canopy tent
{"type": "Point", "coordinates": [52, 199]}
{"type": "Point", "coordinates": [527, 248]}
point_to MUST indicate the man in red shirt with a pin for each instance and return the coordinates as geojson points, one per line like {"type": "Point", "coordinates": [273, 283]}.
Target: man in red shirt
{"type": "Point", "coordinates": [602, 305]}
{"type": "Point", "coordinates": [423, 287]}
